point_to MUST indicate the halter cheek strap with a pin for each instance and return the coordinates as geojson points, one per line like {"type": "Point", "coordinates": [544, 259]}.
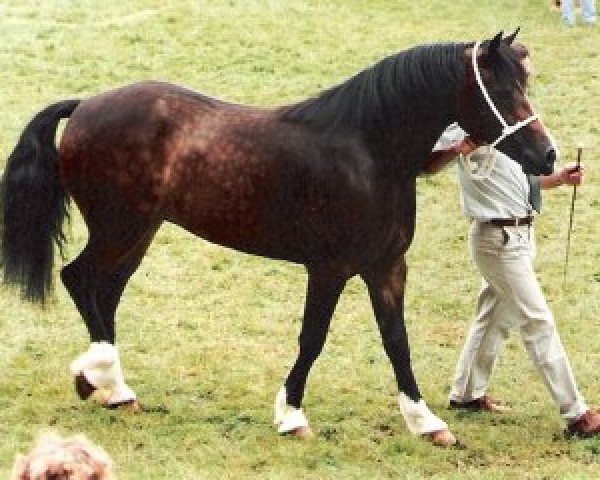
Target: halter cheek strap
{"type": "Point", "coordinates": [507, 129]}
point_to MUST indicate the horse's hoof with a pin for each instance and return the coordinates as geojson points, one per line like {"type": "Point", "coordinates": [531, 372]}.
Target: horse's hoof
{"type": "Point", "coordinates": [441, 438]}
{"type": "Point", "coordinates": [83, 388]}
{"type": "Point", "coordinates": [131, 406]}
{"type": "Point", "coordinates": [303, 433]}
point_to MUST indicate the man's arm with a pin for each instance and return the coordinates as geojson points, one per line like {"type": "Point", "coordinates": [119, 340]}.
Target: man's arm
{"type": "Point", "coordinates": [568, 175]}
{"type": "Point", "coordinates": [440, 158]}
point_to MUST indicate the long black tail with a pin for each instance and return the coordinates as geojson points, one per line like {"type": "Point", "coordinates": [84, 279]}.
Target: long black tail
{"type": "Point", "coordinates": [34, 205]}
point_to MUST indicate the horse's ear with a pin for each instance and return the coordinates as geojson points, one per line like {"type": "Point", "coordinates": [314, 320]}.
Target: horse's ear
{"type": "Point", "coordinates": [495, 42]}
{"type": "Point", "coordinates": [488, 55]}
{"type": "Point", "coordinates": [511, 38]}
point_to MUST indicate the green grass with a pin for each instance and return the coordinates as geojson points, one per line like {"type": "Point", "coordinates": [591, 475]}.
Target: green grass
{"type": "Point", "coordinates": [207, 335]}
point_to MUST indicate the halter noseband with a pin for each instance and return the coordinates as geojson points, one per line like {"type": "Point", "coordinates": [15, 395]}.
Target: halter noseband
{"type": "Point", "coordinates": [507, 129]}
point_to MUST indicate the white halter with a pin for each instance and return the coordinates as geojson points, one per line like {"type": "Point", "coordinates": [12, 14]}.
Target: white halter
{"type": "Point", "coordinates": [483, 170]}
{"type": "Point", "coordinates": [507, 129]}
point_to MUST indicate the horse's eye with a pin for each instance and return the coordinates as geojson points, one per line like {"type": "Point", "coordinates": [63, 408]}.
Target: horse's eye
{"type": "Point", "coordinates": [524, 86]}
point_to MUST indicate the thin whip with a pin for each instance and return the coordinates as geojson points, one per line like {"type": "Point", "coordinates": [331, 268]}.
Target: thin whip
{"type": "Point", "coordinates": [579, 151]}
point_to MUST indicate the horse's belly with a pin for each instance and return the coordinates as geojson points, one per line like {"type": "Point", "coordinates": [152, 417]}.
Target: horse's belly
{"type": "Point", "coordinates": [260, 221]}
{"type": "Point", "coordinates": [233, 210]}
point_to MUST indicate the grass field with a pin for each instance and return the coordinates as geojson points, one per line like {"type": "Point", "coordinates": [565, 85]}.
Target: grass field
{"type": "Point", "coordinates": [207, 335]}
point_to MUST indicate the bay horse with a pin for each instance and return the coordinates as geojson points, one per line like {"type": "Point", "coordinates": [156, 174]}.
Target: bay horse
{"type": "Point", "coordinates": [329, 183]}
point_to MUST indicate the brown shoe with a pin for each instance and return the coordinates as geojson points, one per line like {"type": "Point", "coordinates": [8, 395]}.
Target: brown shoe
{"type": "Point", "coordinates": [481, 404]}
{"type": "Point", "coordinates": [585, 426]}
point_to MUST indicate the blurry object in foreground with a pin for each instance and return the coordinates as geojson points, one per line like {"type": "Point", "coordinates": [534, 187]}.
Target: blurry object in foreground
{"type": "Point", "coordinates": [57, 458]}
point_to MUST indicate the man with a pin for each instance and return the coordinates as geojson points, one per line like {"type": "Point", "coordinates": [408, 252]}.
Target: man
{"type": "Point", "coordinates": [499, 199]}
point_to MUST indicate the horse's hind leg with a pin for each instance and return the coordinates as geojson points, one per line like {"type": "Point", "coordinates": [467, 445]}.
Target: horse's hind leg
{"type": "Point", "coordinates": [79, 279]}
{"type": "Point", "coordinates": [95, 281]}
{"type": "Point", "coordinates": [323, 292]}
{"type": "Point", "coordinates": [111, 286]}
{"type": "Point", "coordinates": [109, 291]}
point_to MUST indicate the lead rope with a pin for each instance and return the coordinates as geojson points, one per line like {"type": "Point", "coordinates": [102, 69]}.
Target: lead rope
{"type": "Point", "coordinates": [479, 171]}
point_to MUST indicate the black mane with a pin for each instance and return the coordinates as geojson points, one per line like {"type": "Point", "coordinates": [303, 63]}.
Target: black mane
{"type": "Point", "coordinates": [378, 94]}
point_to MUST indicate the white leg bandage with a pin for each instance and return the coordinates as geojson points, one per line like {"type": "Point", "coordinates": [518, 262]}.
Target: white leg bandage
{"type": "Point", "coordinates": [102, 368]}
{"type": "Point", "coordinates": [287, 418]}
{"type": "Point", "coordinates": [419, 419]}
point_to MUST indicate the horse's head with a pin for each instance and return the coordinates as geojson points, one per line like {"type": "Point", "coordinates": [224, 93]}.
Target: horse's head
{"type": "Point", "coordinates": [494, 108]}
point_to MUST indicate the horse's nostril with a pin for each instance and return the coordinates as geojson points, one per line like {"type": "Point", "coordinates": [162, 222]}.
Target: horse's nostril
{"type": "Point", "coordinates": [550, 155]}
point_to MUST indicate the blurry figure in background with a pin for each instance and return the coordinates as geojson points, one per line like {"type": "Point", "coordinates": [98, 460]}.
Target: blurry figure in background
{"type": "Point", "coordinates": [56, 458]}
{"type": "Point", "coordinates": [588, 12]}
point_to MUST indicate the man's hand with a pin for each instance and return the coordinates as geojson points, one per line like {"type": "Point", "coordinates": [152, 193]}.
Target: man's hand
{"type": "Point", "coordinates": [465, 147]}
{"type": "Point", "coordinates": [571, 174]}
{"type": "Point", "coordinates": [440, 158]}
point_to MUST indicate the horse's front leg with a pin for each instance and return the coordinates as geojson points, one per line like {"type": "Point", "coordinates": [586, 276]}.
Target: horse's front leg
{"type": "Point", "coordinates": [323, 291]}
{"type": "Point", "coordinates": [386, 289]}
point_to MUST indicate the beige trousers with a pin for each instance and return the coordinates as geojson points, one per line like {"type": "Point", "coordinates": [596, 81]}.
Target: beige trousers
{"type": "Point", "coordinates": [511, 297]}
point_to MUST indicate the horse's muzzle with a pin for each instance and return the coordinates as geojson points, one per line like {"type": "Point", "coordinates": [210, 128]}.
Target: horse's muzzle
{"type": "Point", "coordinates": [537, 167]}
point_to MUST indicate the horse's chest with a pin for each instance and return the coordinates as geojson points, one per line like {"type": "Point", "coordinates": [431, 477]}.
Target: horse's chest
{"type": "Point", "coordinates": [396, 219]}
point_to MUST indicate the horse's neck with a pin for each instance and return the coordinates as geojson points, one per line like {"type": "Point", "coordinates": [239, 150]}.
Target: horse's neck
{"type": "Point", "coordinates": [406, 145]}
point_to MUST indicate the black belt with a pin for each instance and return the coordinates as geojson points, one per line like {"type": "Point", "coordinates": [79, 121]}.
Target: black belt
{"type": "Point", "coordinates": [511, 222]}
